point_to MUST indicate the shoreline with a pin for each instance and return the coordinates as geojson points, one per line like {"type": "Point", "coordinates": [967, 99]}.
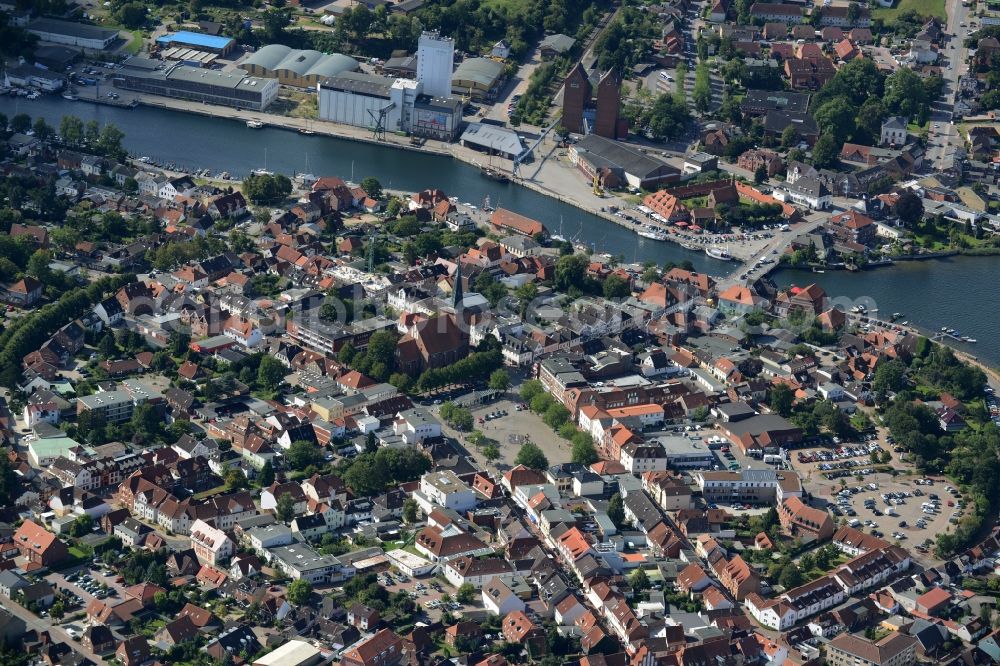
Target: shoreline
{"type": "Point", "coordinates": [328, 129]}
{"type": "Point", "coordinates": [469, 157]}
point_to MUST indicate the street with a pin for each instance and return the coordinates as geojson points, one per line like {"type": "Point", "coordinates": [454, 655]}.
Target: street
{"type": "Point", "coordinates": [944, 138]}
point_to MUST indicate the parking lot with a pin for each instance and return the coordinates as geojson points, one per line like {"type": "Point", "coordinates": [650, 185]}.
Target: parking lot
{"type": "Point", "coordinates": [914, 510]}
{"type": "Point", "coordinates": [84, 585]}
{"type": "Point", "coordinates": [426, 593]}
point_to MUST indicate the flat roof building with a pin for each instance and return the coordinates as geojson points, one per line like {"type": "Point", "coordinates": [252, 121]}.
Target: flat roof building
{"type": "Point", "coordinates": [197, 40]}
{"type": "Point", "coordinates": [70, 33]}
{"type": "Point", "coordinates": [234, 89]}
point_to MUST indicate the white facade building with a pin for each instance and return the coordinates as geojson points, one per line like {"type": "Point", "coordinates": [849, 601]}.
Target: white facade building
{"type": "Point", "coordinates": [446, 490]}
{"type": "Point", "coordinates": [435, 61]}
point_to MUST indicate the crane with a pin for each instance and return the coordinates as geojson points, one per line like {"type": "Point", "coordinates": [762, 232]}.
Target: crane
{"type": "Point", "coordinates": [378, 130]}
{"type": "Point", "coordinates": [516, 166]}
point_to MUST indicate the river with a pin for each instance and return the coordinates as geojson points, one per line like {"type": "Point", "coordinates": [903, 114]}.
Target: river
{"type": "Point", "coordinates": [195, 142]}
{"type": "Point", "coordinates": [957, 292]}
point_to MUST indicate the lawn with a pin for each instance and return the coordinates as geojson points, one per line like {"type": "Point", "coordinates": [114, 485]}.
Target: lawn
{"type": "Point", "coordinates": [922, 7]}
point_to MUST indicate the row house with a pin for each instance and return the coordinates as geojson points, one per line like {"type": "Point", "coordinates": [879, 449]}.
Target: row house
{"type": "Point", "coordinates": [871, 569]}
{"type": "Point", "coordinates": [796, 604]}
{"type": "Point", "coordinates": [736, 576]}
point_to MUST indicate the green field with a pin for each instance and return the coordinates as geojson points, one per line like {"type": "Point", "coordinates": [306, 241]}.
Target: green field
{"type": "Point", "coordinates": [922, 7]}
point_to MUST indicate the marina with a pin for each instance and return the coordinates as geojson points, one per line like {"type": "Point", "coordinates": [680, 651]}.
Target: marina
{"type": "Point", "coordinates": [958, 293]}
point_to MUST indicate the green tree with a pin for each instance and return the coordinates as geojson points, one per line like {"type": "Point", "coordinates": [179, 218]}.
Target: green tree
{"type": "Point", "coordinates": [20, 123]}
{"type": "Point", "coordinates": [639, 580]}
{"type": "Point", "coordinates": [285, 508]}
{"type": "Point", "coordinates": [491, 452]}
{"type": "Point", "coordinates": [266, 189]}
{"type": "Point", "coordinates": [909, 208]}
{"type": "Point", "coordinates": [870, 118]}
{"type": "Point", "coordinates": [889, 378]}
{"type": "Point", "coordinates": [81, 526]}
{"type": "Point", "coordinates": [499, 380]}
{"type": "Point", "coordinates": [132, 15]}
{"type": "Point", "coordinates": [780, 399]}
{"type": "Point", "coordinates": [299, 592]}
{"type": "Point", "coordinates": [825, 151]}
{"type": "Point", "coordinates": [43, 131]}
{"type": "Point", "coordinates": [531, 456]}
{"type": "Point", "coordinates": [236, 480]}
{"type": "Point", "coordinates": [904, 92]}
{"type": "Point", "coordinates": [465, 594]}
{"type": "Point", "coordinates": [372, 187]}
{"type": "Point", "coordinates": [616, 510]}
{"type": "Point", "coordinates": [702, 93]}
{"type": "Point", "coordinates": [266, 477]}
{"type": "Point", "coordinates": [410, 511]}
{"type": "Point", "coordinates": [303, 453]}
{"type": "Point", "coordinates": [270, 373]}
{"type": "Point", "coordinates": [530, 389]}
{"type": "Point", "coordinates": [584, 452]}
{"type": "Point", "coordinates": [836, 118]}
{"type": "Point", "coordinates": [570, 271]}
{"type": "Point", "coordinates": [616, 287]}
{"type": "Point", "coordinates": [347, 353]}
{"type": "Point", "coordinates": [760, 174]}
{"type": "Point", "coordinates": [790, 576]}
{"type": "Point", "coordinates": [789, 137]}
{"type": "Point", "coordinates": [179, 343]}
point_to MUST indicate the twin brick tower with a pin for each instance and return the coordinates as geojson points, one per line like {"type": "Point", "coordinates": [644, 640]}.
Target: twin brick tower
{"type": "Point", "coordinates": [579, 98]}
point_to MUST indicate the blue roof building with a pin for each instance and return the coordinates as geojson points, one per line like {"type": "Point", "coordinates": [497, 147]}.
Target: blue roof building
{"type": "Point", "coordinates": [197, 40]}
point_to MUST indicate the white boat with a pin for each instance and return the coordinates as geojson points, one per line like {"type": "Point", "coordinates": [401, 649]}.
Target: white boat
{"type": "Point", "coordinates": [254, 124]}
{"type": "Point", "coordinates": [261, 172]}
{"type": "Point", "coordinates": [70, 96]}
{"type": "Point", "coordinates": [653, 234]}
{"type": "Point", "coordinates": [970, 340]}
{"type": "Point", "coordinates": [722, 254]}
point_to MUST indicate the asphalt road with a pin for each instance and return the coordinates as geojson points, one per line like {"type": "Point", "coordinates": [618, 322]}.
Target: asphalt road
{"type": "Point", "coordinates": [945, 140]}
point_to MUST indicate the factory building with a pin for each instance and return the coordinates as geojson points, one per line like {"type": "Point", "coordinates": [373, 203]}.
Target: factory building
{"type": "Point", "coordinates": [185, 39]}
{"type": "Point", "coordinates": [358, 99]}
{"type": "Point", "coordinates": [435, 60]}
{"type": "Point", "coordinates": [437, 117]}
{"type": "Point", "coordinates": [69, 33]}
{"type": "Point", "coordinates": [295, 67]}
{"type": "Point", "coordinates": [479, 79]}
{"type": "Point", "coordinates": [234, 89]}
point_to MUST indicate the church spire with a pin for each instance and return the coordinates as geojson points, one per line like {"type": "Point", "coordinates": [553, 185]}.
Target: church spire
{"type": "Point", "coordinates": [459, 297]}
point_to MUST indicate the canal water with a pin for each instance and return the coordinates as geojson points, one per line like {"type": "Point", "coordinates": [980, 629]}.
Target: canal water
{"type": "Point", "coordinates": [961, 292]}
{"type": "Point", "coordinates": [957, 292]}
{"type": "Point", "coordinates": [194, 142]}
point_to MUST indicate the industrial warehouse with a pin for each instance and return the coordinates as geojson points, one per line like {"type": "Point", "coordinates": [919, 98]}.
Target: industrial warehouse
{"type": "Point", "coordinates": [388, 105]}
{"type": "Point", "coordinates": [294, 67]}
{"type": "Point", "coordinates": [233, 88]}
{"type": "Point", "coordinates": [69, 33]}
